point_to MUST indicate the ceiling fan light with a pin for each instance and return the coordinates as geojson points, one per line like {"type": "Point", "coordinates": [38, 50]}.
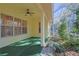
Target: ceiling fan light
{"type": "Point", "coordinates": [28, 12]}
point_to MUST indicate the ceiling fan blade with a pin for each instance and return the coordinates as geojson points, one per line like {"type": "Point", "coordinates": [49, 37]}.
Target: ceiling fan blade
{"type": "Point", "coordinates": [28, 14]}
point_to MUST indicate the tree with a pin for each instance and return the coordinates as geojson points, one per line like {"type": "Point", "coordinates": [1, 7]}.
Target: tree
{"type": "Point", "coordinates": [62, 29]}
{"type": "Point", "coordinates": [76, 23]}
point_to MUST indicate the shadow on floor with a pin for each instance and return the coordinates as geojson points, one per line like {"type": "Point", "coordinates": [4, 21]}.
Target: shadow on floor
{"type": "Point", "coordinates": [26, 47]}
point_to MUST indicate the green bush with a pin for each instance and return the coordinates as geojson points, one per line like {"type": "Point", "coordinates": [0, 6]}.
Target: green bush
{"type": "Point", "coordinates": [62, 30]}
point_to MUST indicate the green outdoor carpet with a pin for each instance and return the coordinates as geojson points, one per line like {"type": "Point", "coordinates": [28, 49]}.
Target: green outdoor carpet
{"type": "Point", "coordinates": [26, 47]}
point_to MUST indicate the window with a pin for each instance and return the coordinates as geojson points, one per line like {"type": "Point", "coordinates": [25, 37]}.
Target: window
{"type": "Point", "coordinates": [17, 26]}
{"type": "Point", "coordinates": [20, 26]}
{"type": "Point", "coordinates": [39, 27]}
{"type": "Point", "coordinates": [24, 27]}
{"type": "Point", "coordinates": [6, 26]}
{"type": "Point", "coordinates": [6, 31]}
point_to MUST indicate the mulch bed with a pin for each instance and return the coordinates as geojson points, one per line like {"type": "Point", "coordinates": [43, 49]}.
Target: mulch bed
{"type": "Point", "coordinates": [68, 52]}
{"type": "Point", "coordinates": [71, 53]}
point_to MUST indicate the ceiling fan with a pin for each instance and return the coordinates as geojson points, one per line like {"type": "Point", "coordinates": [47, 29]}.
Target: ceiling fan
{"type": "Point", "coordinates": [28, 12]}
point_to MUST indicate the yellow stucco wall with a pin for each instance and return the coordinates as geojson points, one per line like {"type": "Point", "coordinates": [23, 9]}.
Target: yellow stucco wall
{"type": "Point", "coordinates": [16, 10]}
{"type": "Point", "coordinates": [32, 24]}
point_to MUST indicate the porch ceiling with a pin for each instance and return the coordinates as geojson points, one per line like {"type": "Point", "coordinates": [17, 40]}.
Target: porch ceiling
{"type": "Point", "coordinates": [19, 10]}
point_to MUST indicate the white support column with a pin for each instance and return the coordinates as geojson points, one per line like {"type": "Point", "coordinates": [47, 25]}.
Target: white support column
{"type": "Point", "coordinates": [21, 28]}
{"type": "Point", "coordinates": [13, 27]}
{"type": "Point", "coordinates": [0, 25]}
{"type": "Point", "coordinates": [43, 31]}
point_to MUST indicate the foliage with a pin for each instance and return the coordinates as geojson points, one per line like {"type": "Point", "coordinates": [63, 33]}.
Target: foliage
{"type": "Point", "coordinates": [59, 48]}
{"type": "Point", "coordinates": [62, 30]}
{"type": "Point", "coordinates": [56, 47]}
{"type": "Point", "coordinates": [76, 48]}
{"type": "Point", "coordinates": [74, 43]}
{"type": "Point", "coordinates": [76, 24]}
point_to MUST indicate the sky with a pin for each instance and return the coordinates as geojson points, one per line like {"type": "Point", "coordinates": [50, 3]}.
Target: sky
{"type": "Point", "coordinates": [57, 11]}
{"type": "Point", "coordinates": [58, 8]}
